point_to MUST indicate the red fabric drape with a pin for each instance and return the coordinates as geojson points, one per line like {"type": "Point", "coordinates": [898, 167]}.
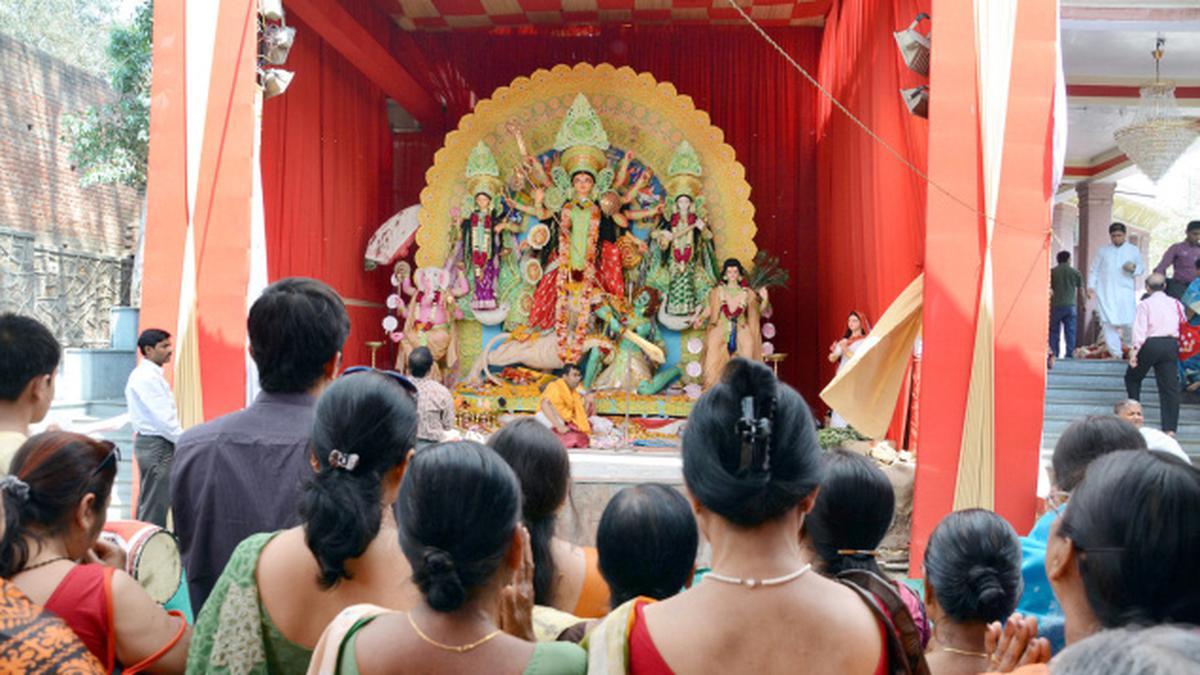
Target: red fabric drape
{"type": "Point", "coordinates": [956, 249]}
{"type": "Point", "coordinates": [871, 207]}
{"type": "Point", "coordinates": [766, 110]}
{"type": "Point", "coordinates": [327, 179]}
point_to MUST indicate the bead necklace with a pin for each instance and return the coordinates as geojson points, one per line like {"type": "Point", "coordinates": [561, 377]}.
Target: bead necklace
{"type": "Point", "coordinates": [458, 649]}
{"type": "Point", "coordinates": [759, 583]}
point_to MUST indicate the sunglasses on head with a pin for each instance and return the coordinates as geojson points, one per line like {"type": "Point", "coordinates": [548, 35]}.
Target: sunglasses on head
{"type": "Point", "coordinates": [111, 459]}
{"type": "Point", "coordinates": [404, 382]}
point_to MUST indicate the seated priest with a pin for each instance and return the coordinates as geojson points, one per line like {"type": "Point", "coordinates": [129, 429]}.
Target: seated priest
{"type": "Point", "coordinates": [565, 409]}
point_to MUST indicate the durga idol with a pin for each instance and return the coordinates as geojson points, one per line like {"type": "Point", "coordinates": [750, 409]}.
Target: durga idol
{"type": "Point", "coordinates": [570, 290]}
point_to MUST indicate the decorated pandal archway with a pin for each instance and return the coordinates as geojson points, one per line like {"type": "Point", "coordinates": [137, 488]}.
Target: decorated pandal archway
{"type": "Point", "coordinates": [587, 215]}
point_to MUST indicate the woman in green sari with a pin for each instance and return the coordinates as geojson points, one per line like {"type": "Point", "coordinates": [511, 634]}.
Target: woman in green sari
{"type": "Point", "coordinates": [280, 589]}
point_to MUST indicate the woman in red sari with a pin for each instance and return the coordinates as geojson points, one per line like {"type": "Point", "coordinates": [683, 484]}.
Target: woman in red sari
{"type": "Point", "coordinates": [752, 465]}
{"type": "Point", "coordinates": [32, 640]}
{"type": "Point", "coordinates": [840, 352]}
{"type": "Point", "coordinates": [50, 550]}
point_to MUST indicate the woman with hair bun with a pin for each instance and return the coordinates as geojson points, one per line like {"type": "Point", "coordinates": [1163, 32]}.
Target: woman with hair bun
{"type": "Point", "coordinates": [1123, 553]}
{"type": "Point", "coordinates": [850, 518]}
{"type": "Point", "coordinates": [972, 580]}
{"type": "Point", "coordinates": [566, 577]}
{"type": "Point", "coordinates": [752, 465]}
{"type": "Point", "coordinates": [460, 528]}
{"type": "Point", "coordinates": [280, 589]}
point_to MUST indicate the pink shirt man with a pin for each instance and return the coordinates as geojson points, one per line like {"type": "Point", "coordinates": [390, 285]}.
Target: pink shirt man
{"type": "Point", "coordinates": [1157, 316]}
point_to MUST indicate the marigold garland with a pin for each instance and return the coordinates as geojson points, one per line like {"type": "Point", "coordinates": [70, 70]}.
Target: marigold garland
{"type": "Point", "coordinates": [570, 349]}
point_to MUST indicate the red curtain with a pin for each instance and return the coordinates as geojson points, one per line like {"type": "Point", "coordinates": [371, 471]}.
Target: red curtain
{"type": "Point", "coordinates": [327, 179]}
{"type": "Point", "coordinates": [871, 207]}
{"type": "Point", "coordinates": [765, 108]}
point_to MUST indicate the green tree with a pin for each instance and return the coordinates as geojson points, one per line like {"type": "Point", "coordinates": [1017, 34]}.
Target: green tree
{"type": "Point", "coordinates": [70, 30]}
{"type": "Point", "coordinates": [111, 142]}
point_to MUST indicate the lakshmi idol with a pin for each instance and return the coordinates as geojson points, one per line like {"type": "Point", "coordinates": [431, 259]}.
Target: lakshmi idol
{"type": "Point", "coordinates": [684, 268]}
{"type": "Point", "coordinates": [570, 289]}
{"type": "Point", "coordinates": [483, 229]}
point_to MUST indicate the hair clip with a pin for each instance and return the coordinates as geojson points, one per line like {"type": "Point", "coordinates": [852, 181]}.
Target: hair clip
{"type": "Point", "coordinates": [15, 487]}
{"type": "Point", "coordinates": [858, 552]}
{"type": "Point", "coordinates": [343, 460]}
{"type": "Point", "coordinates": [755, 432]}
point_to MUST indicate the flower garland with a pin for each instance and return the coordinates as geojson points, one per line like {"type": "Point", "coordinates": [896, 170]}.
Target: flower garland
{"type": "Point", "coordinates": [570, 348]}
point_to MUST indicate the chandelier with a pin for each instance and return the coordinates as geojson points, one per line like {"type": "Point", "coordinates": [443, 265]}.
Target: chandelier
{"type": "Point", "coordinates": [1159, 134]}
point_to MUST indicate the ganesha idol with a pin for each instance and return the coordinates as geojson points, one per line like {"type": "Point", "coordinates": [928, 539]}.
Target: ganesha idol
{"type": "Point", "coordinates": [429, 317]}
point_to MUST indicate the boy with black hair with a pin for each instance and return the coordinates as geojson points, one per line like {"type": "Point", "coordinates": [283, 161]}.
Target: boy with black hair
{"type": "Point", "coordinates": [29, 357]}
{"type": "Point", "coordinates": [242, 474]}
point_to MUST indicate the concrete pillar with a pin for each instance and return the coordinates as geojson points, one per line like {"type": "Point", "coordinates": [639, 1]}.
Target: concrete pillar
{"type": "Point", "coordinates": [1065, 225]}
{"type": "Point", "coordinates": [1095, 215]}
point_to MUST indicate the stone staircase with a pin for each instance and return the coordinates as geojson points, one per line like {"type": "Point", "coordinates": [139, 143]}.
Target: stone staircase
{"type": "Point", "coordinates": [1076, 388]}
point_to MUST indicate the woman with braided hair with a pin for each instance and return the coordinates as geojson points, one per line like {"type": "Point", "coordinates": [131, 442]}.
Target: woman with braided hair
{"type": "Point", "coordinates": [850, 519]}
{"type": "Point", "coordinates": [280, 589]}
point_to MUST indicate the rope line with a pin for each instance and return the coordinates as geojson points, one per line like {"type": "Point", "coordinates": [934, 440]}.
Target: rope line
{"type": "Point", "coordinates": [896, 153]}
{"type": "Point", "coordinates": [863, 125]}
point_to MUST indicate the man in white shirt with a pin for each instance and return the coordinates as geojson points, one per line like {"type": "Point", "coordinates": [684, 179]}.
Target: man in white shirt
{"type": "Point", "coordinates": [155, 420]}
{"type": "Point", "coordinates": [1110, 282]}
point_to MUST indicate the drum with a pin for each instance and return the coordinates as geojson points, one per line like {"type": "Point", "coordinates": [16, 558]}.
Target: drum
{"type": "Point", "coordinates": [152, 556]}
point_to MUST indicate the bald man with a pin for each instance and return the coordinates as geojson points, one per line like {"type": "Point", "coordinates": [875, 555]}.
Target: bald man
{"type": "Point", "coordinates": [1156, 345]}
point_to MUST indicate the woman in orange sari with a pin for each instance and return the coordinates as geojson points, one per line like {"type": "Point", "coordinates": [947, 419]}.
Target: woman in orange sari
{"type": "Point", "coordinates": [731, 321]}
{"type": "Point", "coordinates": [33, 640]}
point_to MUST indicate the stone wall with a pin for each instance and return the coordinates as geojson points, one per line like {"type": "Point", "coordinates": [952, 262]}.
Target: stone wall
{"type": "Point", "coordinates": [65, 250]}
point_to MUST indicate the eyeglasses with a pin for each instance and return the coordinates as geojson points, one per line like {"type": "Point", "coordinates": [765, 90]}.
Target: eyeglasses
{"type": "Point", "coordinates": [404, 382]}
{"type": "Point", "coordinates": [111, 459]}
{"type": "Point", "coordinates": [1056, 501]}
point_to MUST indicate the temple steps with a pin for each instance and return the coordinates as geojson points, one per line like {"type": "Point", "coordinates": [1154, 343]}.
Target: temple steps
{"type": "Point", "coordinates": [1075, 389]}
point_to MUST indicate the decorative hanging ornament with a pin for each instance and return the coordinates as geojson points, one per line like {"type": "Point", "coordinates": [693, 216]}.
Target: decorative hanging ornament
{"type": "Point", "coordinates": [768, 349]}
{"type": "Point", "coordinates": [768, 330]}
{"type": "Point", "coordinates": [390, 323]}
{"type": "Point", "coordinates": [694, 369]}
{"type": "Point", "coordinates": [1159, 134]}
{"type": "Point", "coordinates": [393, 301]}
{"type": "Point", "coordinates": [695, 346]}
